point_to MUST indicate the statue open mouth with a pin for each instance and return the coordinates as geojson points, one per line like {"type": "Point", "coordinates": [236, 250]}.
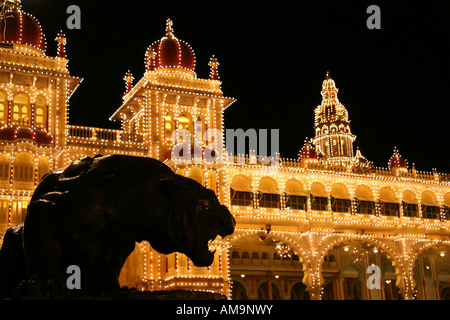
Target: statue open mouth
{"type": "Point", "coordinates": [214, 242]}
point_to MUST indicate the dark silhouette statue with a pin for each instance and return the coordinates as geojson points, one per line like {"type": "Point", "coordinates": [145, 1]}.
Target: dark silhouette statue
{"type": "Point", "coordinates": [92, 213]}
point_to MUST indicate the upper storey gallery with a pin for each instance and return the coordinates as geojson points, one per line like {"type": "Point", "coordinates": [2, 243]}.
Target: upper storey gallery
{"type": "Point", "coordinates": [29, 79]}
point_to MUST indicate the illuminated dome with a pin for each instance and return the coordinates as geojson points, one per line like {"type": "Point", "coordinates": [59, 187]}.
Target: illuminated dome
{"type": "Point", "coordinates": [170, 52]}
{"type": "Point", "coordinates": [21, 28]}
{"type": "Point", "coordinates": [307, 152]}
{"type": "Point", "coordinates": [397, 161]}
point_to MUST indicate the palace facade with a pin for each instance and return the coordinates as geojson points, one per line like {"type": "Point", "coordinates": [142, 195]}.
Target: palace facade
{"type": "Point", "coordinates": [311, 228]}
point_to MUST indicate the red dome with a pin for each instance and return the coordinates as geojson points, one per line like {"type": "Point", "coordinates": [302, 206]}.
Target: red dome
{"type": "Point", "coordinates": [307, 152]}
{"type": "Point", "coordinates": [22, 28]}
{"type": "Point", "coordinates": [397, 161]}
{"type": "Point", "coordinates": [170, 52]}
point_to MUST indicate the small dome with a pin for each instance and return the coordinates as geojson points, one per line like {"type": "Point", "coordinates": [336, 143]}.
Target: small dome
{"type": "Point", "coordinates": [22, 28]}
{"type": "Point", "coordinates": [307, 152]}
{"type": "Point", "coordinates": [397, 161]}
{"type": "Point", "coordinates": [170, 52]}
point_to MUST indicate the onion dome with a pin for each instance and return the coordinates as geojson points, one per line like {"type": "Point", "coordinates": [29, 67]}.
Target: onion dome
{"type": "Point", "coordinates": [397, 161]}
{"type": "Point", "coordinates": [307, 152]}
{"type": "Point", "coordinates": [20, 27]}
{"type": "Point", "coordinates": [170, 52]}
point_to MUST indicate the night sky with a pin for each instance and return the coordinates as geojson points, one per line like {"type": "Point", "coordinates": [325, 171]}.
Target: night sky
{"type": "Point", "coordinates": [273, 58]}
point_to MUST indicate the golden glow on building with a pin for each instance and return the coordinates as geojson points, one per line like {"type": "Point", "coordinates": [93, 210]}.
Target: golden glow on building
{"type": "Point", "coordinates": [308, 228]}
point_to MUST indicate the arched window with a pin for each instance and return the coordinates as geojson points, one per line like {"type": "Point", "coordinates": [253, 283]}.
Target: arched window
{"type": "Point", "coordinates": [3, 107]}
{"type": "Point", "coordinates": [319, 197]}
{"type": "Point", "coordinates": [40, 112]}
{"type": "Point", "coordinates": [269, 194]}
{"type": "Point", "coordinates": [295, 195]}
{"type": "Point", "coordinates": [241, 191]}
{"type": "Point", "coordinates": [21, 110]}
{"type": "Point", "coordinates": [340, 199]}
{"type": "Point", "coordinates": [389, 204]}
{"type": "Point", "coordinates": [184, 122]}
{"type": "Point", "coordinates": [429, 205]}
{"type": "Point", "coordinates": [4, 167]}
{"type": "Point", "coordinates": [169, 126]}
{"type": "Point", "coordinates": [24, 167]}
{"type": "Point", "coordinates": [364, 203]}
{"type": "Point", "coordinates": [409, 204]}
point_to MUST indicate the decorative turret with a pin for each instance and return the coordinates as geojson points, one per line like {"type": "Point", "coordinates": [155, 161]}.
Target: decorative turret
{"type": "Point", "coordinates": [214, 72]}
{"type": "Point", "coordinates": [397, 162]}
{"type": "Point", "coordinates": [360, 163]}
{"type": "Point", "coordinates": [61, 39]}
{"type": "Point", "coordinates": [128, 81]}
{"type": "Point", "coordinates": [332, 128]}
{"type": "Point", "coordinates": [307, 154]}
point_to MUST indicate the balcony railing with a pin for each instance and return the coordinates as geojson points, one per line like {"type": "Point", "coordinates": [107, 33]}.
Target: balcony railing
{"type": "Point", "coordinates": [292, 164]}
{"type": "Point", "coordinates": [104, 136]}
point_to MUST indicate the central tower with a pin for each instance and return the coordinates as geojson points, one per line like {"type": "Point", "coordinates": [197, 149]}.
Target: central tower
{"type": "Point", "coordinates": [333, 139]}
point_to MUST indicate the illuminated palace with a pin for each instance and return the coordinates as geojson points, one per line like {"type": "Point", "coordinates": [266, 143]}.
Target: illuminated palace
{"type": "Point", "coordinates": [308, 228]}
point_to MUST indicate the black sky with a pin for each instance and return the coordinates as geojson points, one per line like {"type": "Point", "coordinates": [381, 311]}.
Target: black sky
{"type": "Point", "coordinates": [273, 58]}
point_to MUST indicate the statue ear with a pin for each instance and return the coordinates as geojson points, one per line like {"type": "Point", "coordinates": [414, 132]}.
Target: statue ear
{"type": "Point", "coordinates": [173, 185]}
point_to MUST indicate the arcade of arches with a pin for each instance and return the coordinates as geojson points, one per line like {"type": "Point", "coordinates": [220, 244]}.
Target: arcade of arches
{"type": "Point", "coordinates": [266, 267]}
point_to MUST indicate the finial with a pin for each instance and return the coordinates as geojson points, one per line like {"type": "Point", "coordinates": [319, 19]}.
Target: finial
{"type": "Point", "coordinates": [328, 75]}
{"type": "Point", "coordinates": [61, 39]}
{"type": "Point", "coordinates": [395, 151]}
{"type": "Point", "coordinates": [214, 73]}
{"type": "Point", "coordinates": [128, 81]}
{"type": "Point", "coordinates": [169, 28]}
{"type": "Point", "coordinates": [150, 62]}
{"type": "Point", "coordinates": [13, 4]}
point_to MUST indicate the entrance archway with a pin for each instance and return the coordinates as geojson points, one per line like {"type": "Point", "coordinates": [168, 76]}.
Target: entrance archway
{"type": "Point", "coordinates": [266, 266]}
{"type": "Point", "coordinates": [345, 270]}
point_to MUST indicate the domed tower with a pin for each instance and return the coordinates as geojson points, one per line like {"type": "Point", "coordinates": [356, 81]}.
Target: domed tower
{"type": "Point", "coordinates": [333, 138]}
{"type": "Point", "coordinates": [19, 27]}
{"type": "Point", "coordinates": [170, 54]}
{"type": "Point", "coordinates": [170, 97]}
{"type": "Point", "coordinates": [397, 163]}
{"type": "Point", "coordinates": [34, 87]}
{"type": "Point", "coordinates": [307, 154]}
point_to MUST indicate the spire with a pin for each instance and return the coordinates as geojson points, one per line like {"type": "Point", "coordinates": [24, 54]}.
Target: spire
{"type": "Point", "coordinates": [169, 28]}
{"type": "Point", "coordinates": [333, 137]}
{"type": "Point", "coordinates": [214, 73]}
{"type": "Point", "coordinates": [128, 81]}
{"type": "Point", "coordinates": [329, 91]}
{"type": "Point", "coordinates": [61, 39]}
